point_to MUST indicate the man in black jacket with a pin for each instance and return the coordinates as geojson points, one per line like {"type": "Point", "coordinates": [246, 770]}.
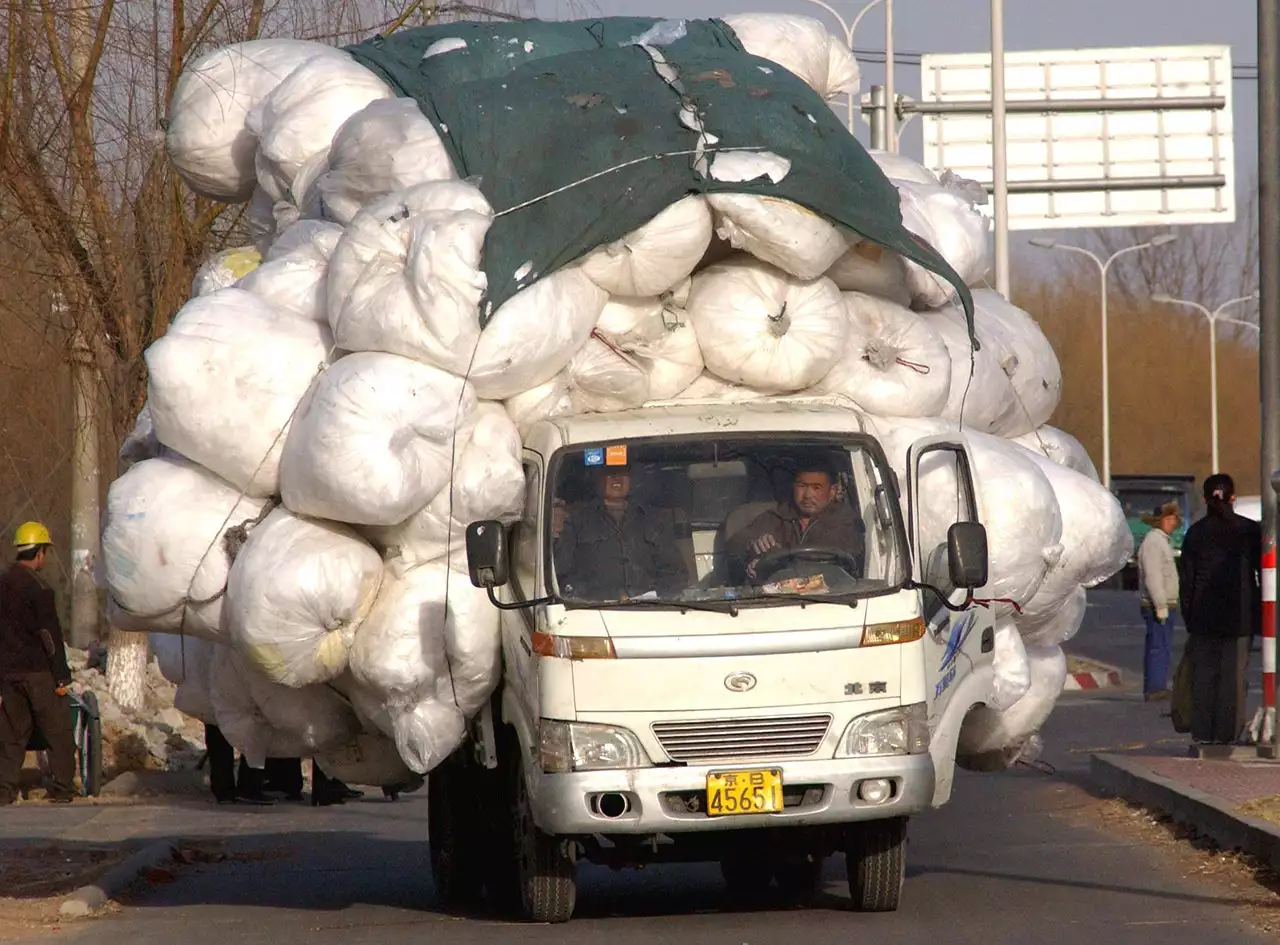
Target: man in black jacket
{"type": "Point", "coordinates": [1222, 608]}
{"type": "Point", "coordinates": [33, 671]}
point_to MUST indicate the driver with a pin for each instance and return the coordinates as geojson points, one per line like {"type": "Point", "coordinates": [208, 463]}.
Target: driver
{"type": "Point", "coordinates": [611, 547]}
{"type": "Point", "coordinates": [814, 517]}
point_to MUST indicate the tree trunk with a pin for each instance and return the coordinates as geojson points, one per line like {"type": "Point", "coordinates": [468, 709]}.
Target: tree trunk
{"type": "Point", "coordinates": [127, 656]}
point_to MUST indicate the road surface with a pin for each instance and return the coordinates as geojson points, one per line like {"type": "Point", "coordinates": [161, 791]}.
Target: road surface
{"type": "Point", "coordinates": [1014, 858]}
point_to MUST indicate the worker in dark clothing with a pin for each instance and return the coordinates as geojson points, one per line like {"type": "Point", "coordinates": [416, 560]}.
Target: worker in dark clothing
{"type": "Point", "coordinates": [1221, 593]}
{"type": "Point", "coordinates": [34, 677]}
{"type": "Point", "coordinates": [813, 517]}
{"type": "Point", "coordinates": [611, 547]}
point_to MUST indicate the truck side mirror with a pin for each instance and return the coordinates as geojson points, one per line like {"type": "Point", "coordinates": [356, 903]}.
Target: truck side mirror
{"type": "Point", "coordinates": [487, 554]}
{"type": "Point", "coordinates": [967, 554]}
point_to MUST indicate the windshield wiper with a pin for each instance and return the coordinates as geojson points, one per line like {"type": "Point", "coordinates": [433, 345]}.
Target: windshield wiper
{"type": "Point", "coordinates": [714, 607]}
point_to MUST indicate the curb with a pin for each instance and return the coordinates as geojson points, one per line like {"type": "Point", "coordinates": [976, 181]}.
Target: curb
{"type": "Point", "coordinates": [1087, 674]}
{"type": "Point", "coordinates": [1209, 815]}
{"type": "Point", "coordinates": [89, 899]}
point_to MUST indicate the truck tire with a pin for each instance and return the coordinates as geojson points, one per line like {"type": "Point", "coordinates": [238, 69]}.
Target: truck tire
{"type": "Point", "coordinates": [876, 862]}
{"type": "Point", "coordinates": [799, 876]}
{"type": "Point", "coordinates": [548, 886]}
{"type": "Point", "coordinates": [456, 835]}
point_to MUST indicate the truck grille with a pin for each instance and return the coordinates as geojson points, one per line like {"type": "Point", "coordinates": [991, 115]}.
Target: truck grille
{"type": "Point", "coordinates": [713, 739]}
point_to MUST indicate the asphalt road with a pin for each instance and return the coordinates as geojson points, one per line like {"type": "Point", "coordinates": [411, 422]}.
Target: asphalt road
{"type": "Point", "coordinates": [1009, 860]}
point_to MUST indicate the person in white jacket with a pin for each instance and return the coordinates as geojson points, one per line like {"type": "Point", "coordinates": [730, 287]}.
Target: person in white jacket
{"type": "Point", "coordinates": [1158, 585]}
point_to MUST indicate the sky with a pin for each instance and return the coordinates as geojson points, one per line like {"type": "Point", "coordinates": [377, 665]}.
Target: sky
{"type": "Point", "coordinates": [922, 26]}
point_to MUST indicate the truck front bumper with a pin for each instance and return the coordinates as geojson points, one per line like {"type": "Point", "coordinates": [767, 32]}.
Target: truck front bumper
{"type": "Point", "coordinates": [673, 799]}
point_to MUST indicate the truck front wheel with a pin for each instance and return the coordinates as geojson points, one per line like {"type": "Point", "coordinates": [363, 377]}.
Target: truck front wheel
{"type": "Point", "coordinates": [876, 861]}
{"type": "Point", "coordinates": [455, 833]}
{"type": "Point", "coordinates": [548, 886]}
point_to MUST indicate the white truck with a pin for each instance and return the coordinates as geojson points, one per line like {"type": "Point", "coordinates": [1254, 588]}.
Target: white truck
{"type": "Point", "coordinates": [760, 704]}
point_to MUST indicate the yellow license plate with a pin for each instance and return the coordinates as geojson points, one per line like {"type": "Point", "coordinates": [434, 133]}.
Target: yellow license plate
{"type": "Point", "coordinates": [744, 792]}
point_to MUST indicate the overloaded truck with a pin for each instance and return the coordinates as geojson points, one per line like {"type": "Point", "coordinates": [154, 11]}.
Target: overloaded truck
{"type": "Point", "coordinates": [765, 721]}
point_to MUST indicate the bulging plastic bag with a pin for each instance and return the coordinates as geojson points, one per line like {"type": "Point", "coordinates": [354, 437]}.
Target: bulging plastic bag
{"type": "Point", "coordinates": [368, 759]}
{"type": "Point", "coordinates": [142, 443]}
{"type": "Point", "coordinates": [297, 121]}
{"type": "Point", "coordinates": [373, 440]}
{"type": "Point", "coordinates": [164, 556]}
{"type": "Point", "coordinates": [801, 45]}
{"type": "Point", "coordinates": [544, 401]}
{"type": "Point", "coordinates": [387, 146]}
{"type": "Point", "coordinates": [1027, 359]}
{"type": "Point", "coordinates": [897, 167]}
{"type": "Point", "coordinates": [657, 256]}
{"type": "Point", "coordinates": [207, 139]}
{"type": "Point", "coordinates": [296, 594]}
{"type": "Point", "coordinates": [187, 662]}
{"type": "Point", "coordinates": [1062, 448]}
{"type": "Point", "coordinates": [713, 389]}
{"type": "Point", "coordinates": [872, 270]}
{"type": "Point", "coordinates": [762, 328]}
{"type": "Point", "coordinates": [405, 277]}
{"type": "Point", "coordinates": [428, 733]}
{"type": "Point", "coordinates": [981, 393]}
{"type": "Point", "coordinates": [292, 277]}
{"type": "Point", "coordinates": [988, 731]}
{"type": "Point", "coordinates": [945, 217]}
{"type": "Point", "coordinates": [487, 483]}
{"type": "Point", "coordinates": [779, 232]}
{"type": "Point", "coordinates": [894, 363]}
{"type": "Point", "coordinates": [534, 334]}
{"type": "Point", "coordinates": [1009, 666]}
{"type": "Point", "coordinates": [224, 381]}
{"type": "Point", "coordinates": [225, 269]}
{"type": "Point", "coordinates": [1055, 627]}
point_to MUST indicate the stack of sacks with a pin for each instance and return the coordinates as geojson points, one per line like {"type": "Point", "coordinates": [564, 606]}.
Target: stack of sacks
{"type": "Point", "coordinates": [327, 414]}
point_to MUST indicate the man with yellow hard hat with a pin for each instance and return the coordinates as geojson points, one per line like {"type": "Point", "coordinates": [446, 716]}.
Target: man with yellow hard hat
{"type": "Point", "coordinates": [33, 670]}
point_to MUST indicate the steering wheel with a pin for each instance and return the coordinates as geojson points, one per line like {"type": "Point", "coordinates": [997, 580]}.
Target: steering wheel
{"type": "Point", "coordinates": [773, 561]}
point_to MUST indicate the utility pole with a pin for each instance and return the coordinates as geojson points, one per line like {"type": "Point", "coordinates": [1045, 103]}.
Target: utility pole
{"type": "Point", "coordinates": [1269, 323]}
{"type": "Point", "coordinates": [999, 151]}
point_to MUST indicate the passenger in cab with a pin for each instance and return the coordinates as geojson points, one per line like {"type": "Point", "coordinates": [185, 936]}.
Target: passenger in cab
{"type": "Point", "coordinates": [813, 517]}
{"type": "Point", "coordinates": [611, 547]}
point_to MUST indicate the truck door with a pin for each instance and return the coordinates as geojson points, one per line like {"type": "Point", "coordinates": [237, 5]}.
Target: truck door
{"type": "Point", "coordinates": [526, 584]}
{"type": "Point", "coordinates": [958, 645]}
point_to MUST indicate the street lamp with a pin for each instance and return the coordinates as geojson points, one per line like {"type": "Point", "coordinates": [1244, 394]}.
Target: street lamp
{"type": "Point", "coordinates": [1212, 318]}
{"type": "Point", "coordinates": [1104, 268]}
{"type": "Point", "coordinates": [849, 29]}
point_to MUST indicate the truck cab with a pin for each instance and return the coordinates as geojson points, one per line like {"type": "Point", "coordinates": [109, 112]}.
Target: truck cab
{"type": "Point", "coordinates": [727, 636]}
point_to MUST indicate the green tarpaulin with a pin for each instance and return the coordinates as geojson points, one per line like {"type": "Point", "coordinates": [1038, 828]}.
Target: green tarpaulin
{"type": "Point", "coordinates": [578, 148]}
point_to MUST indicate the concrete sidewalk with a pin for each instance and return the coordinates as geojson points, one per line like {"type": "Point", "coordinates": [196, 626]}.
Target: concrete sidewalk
{"type": "Point", "coordinates": [1236, 803]}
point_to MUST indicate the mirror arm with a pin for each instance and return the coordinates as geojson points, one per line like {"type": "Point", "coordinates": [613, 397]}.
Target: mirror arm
{"type": "Point", "coordinates": [954, 608]}
{"type": "Point", "coordinates": [517, 605]}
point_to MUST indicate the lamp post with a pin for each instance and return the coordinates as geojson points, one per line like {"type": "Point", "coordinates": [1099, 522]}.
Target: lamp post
{"type": "Point", "coordinates": [1212, 319]}
{"type": "Point", "coordinates": [849, 29]}
{"type": "Point", "coordinates": [1103, 269]}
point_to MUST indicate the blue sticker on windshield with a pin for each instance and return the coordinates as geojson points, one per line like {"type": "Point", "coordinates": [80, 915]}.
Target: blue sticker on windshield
{"type": "Point", "coordinates": [593, 457]}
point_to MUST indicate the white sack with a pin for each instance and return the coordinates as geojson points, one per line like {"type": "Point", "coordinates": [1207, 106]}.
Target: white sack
{"type": "Point", "coordinates": [373, 440]}
{"type": "Point", "coordinates": [207, 139]}
{"type": "Point", "coordinates": [224, 381]}
{"type": "Point", "coordinates": [223, 270]}
{"type": "Point", "coordinates": [187, 662]}
{"type": "Point", "coordinates": [764, 329]}
{"type": "Point", "coordinates": [488, 483]}
{"type": "Point", "coordinates": [1029, 361]}
{"type": "Point", "coordinates": [981, 392]}
{"type": "Point", "coordinates": [657, 256]}
{"type": "Point", "coordinates": [802, 46]}
{"type": "Point", "coordinates": [366, 759]}
{"type": "Point", "coordinates": [405, 277]}
{"type": "Point", "coordinates": [163, 545]}
{"type": "Point", "coordinates": [297, 121]}
{"type": "Point", "coordinates": [873, 270]}
{"type": "Point", "coordinates": [428, 733]}
{"type": "Point", "coordinates": [292, 279]}
{"type": "Point", "coordinates": [1011, 669]}
{"type": "Point", "coordinates": [710, 388]}
{"type": "Point", "coordinates": [1096, 543]}
{"type": "Point", "coordinates": [1016, 503]}
{"type": "Point", "coordinates": [546, 400]}
{"type": "Point", "coordinates": [897, 168]}
{"type": "Point", "coordinates": [297, 592]}
{"type": "Point", "coordinates": [944, 217]}
{"type": "Point", "coordinates": [640, 350]}
{"type": "Point", "coordinates": [987, 730]}
{"type": "Point", "coordinates": [1062, 448]}
{"type": "Point", "coordinates": [779, 232]}
{"type": "Point", "coordinates": [142, 442]}
{"type": "Point", "coordinates": [387, 146]}
{"type": "Point", "coordinates": [239, 717]}
{"type": "Point", "coordinates": [894, 362]}
{"type": "Point", "coordinates": [535, 333]}
{"type": "Point", "coordinates": [1059, 626]}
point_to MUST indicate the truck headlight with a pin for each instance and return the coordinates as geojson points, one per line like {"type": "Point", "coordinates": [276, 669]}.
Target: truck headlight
{"type": "Point", "coordinates": [579, 746]}
{"type": "Point", "coordinates": [900, 731]}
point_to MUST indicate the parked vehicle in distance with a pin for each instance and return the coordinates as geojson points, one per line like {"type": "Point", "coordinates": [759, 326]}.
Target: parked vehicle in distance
{"type": "Point", "coordinates": [1139, 495]}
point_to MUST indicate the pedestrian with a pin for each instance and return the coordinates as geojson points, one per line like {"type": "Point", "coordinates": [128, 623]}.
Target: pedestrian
{"type": "Point", "coordinates": [1222, 608]}
{"type": "Point", "coordinates": [34, 678]}
{"type": "Point", "coordinates": [1158, 587]}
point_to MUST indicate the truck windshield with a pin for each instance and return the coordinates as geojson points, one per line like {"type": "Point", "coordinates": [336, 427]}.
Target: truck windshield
{"type": "Point", "coordinates": [722, 519]}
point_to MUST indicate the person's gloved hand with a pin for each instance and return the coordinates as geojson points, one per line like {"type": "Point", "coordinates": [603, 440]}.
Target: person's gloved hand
{"type": "Point", "coordinates": [63, 688]}
{"type": "Point", "coordinates": [1162, 614]}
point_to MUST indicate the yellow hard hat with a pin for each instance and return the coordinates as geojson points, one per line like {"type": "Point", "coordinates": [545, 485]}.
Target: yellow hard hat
{"type": "Point", "coordinates": [31, 533]}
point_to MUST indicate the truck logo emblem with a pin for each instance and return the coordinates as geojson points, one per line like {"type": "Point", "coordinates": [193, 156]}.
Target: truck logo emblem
{"type": "Point", "coordinates": [739, 682]}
